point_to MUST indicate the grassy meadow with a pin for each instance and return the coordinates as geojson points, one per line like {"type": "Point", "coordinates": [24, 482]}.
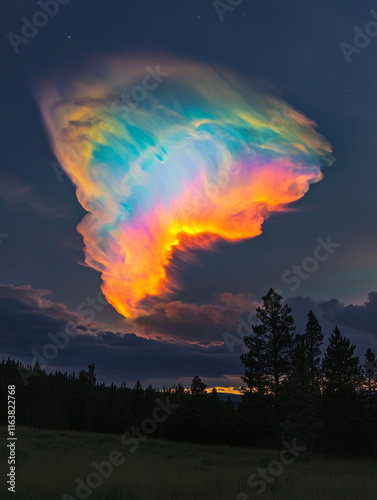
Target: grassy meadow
{"type": "Point", "coordinates": [48, 462]}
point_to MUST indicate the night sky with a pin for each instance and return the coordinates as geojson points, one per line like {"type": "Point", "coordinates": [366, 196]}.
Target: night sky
{"type": "Point", "coordinates": [302, 52]}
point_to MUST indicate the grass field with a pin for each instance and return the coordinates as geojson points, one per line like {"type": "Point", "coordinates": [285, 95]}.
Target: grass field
{"type": "Point", "coordinates": [48, 462]}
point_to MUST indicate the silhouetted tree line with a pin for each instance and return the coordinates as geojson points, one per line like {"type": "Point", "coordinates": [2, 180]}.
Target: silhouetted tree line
{"type": "Point", "coordinates": [78, 402]}
{"type": "Point", "coordinates": [328, 405]}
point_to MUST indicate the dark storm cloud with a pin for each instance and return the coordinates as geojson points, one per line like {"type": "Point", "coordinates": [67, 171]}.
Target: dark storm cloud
{"type": "Point", "coordinates": [125, 355]}
{"type": "Point", "coordinates": [197, 323]}
{"type": "Point", "coordinates": [358, 322]}
{"type": "Point", "coordinates": [28, 318]}
{"type": "Point", "coordinates": [37, 302]}
{"type": "Point", "coordinates": [362, 317]}
{"type": "Point", "coordinates": [23, 327]}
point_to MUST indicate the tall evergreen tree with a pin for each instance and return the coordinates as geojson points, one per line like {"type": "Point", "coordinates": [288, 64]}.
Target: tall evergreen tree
{"type": "Point", "coordinates": [269, 356]}
{"type": "Point", "coordinates": [301, 401]}
{"type": "Point", "coordinates": [313, 339]}
{"type": "Point", "coordinates": [301, 397]}
{"type": "Point", "coordinates": [346, 424]}
{"type": "Point", "coordinates": [340, 365]}
{"type": "Point", "coordinates": [197, 386]}
{"type": "Point", "coordinates": [137, 402]}
{"type": "Point", "coordinates": [87, 382]}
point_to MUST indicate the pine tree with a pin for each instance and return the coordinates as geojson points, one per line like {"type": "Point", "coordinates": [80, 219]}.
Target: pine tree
{"type": "Point", "coordinates": [301, 395]}
{"type": "Point", "coordinates": [197, 386]}
{"type": "Point", "coordinates": [346, 426]}
{"type": "Point", "coordinates": [86, 385]}
{"type": "Point", "coordinates": [269, 356]}
{"type": "Point", "coordinates": [340, 366]}
{"type": "Point", "coordinates": [137, 402]}
{"type": "Point", "coordinates": [313, 339]}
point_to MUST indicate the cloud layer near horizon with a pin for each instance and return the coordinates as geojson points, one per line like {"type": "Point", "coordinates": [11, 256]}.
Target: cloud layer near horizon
{"type": "Point", "coordinates": [28, 316]}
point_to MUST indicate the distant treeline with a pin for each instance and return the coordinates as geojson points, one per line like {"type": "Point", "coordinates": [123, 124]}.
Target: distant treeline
{"type": "Point", "coordinates": [290, 394]}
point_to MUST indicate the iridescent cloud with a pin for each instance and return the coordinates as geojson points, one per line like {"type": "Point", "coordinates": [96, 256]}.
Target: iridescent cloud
{"type": "Point", "coordinates": [172, 156]}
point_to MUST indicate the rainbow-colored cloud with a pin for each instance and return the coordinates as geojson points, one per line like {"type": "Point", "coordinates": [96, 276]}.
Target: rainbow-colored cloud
{"type": "Point", "coordinates": [172, 156]}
